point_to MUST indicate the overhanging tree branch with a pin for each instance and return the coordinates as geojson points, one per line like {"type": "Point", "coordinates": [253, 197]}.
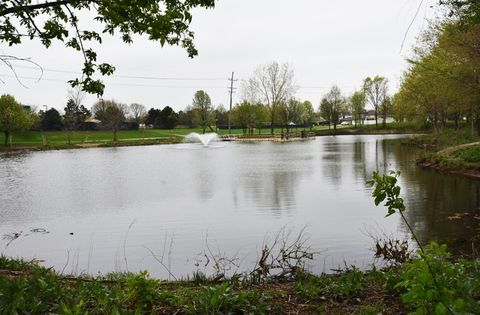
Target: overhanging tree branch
{"type": "Point", "coordinates": [39, 6]}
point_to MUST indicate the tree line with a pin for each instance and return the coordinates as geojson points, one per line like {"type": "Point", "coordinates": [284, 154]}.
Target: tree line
{"type": "Point", "coordinates": [268, 101]}
{"type": "Point", "coordinates": [441, 86]}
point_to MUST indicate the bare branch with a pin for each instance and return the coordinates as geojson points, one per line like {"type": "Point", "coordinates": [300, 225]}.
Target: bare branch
{"type": "Point", "coordinates": [7, 61]}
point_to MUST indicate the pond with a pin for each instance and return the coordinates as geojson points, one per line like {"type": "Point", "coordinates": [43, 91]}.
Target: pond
{"type": "Point", "coordinates": [161, 208]}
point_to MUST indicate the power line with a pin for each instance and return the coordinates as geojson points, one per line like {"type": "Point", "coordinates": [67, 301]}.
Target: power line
{"type": "Point", "coordinates": [122, 84]}
{"type": "Point", "coordinates": [43, 78]}
{"type": "Point", "coordinates": [410, 25]}
{"type": "Point", "coordinates": [166, 78]}
{"type": "Point", "coordinates": [129, 76]}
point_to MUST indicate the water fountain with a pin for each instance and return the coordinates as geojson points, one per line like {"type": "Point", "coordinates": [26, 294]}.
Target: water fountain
{"type": "Point", "coordinates": [205, 139]}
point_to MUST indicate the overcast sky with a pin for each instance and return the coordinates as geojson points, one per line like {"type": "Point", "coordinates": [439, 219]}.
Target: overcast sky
{"type": "Point", "coordinates": [327, 42]}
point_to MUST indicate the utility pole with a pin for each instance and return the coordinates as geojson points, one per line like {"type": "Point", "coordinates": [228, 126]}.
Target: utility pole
{"type": "Point", "coordinates": [231, 90]}
{"type": "Point", "coordinates": [44, 134]}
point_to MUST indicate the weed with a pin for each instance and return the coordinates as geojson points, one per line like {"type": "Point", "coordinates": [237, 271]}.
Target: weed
{"type": "Point", "coordinates": [140, 289]}
{"type": "Point", "coordinates": [344, 286]}
{"type": "Point", "coordinates": [470, 154]}
{"type": "Point", "coordinates": [222, 299]}
{"type": "Point", "coordinates": [451, 286]}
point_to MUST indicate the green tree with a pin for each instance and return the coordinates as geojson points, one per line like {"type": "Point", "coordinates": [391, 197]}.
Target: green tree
{"type": "Point", "coordinates": [385, 110]}
{"type": "Point", "coordinates": [249, 116]}
{"type": "Point", "coordinates": [168, 118]}
{"type": "Point", "coordinates": [325, 110]}
{"type": "Point", "coordinates": [243, 115]}
{"type": "Point", "coordinates": [221, 116]}
{"type": "Point", "coordinates": [202, 105]}
{"type": "Point", "coordinates": [332, 105]}
{"type": "Point", "coordinates": [75, 115]}
{"type": "Point", "coordinates": [375, 92]}
{"type": "Point", "coordinates": [13, 117]}
{"type": "Point", "coordinates": [164, 21]}
{"type": "Point", "coordinates": [153, 117]}
{"type": "Point", "coordinates": [467, 11]}
{"type": "Point", "coordinates": [357, 106]}
{"type": "Point", "coordinates": [111, 114]}
{"type": "Point", "coordinates": [291, 113]}
{"type": "Point", "coordinates": [307, 114]}
{"type": "Point", "coordinates": [51, 120]}
{"type": "Point", "coordinates": [186, 117]}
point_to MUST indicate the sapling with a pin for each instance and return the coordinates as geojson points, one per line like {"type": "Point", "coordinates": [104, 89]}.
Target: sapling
{"type": "Point", "coordinates": [386, 188]}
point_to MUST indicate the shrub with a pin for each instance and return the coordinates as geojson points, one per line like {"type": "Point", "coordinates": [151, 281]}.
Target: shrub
{"type": "Point", "coordinates": [447, 287]}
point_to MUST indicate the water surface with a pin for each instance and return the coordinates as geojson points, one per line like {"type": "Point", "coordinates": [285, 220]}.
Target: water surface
{"type": "Point", "coordinates": [109, 209]}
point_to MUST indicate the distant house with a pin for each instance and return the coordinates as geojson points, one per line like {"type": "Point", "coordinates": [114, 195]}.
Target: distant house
{"type": "Point", "coordinates": [370, 114]}
{"type": "Point", "coordinates": [92, 123]}
{"type": "Point", "coordinates": [92, 120]}
{"type": "Point", "coordinates": [320, 121]}
{"type": "Point", "coordinates": [347, 120]}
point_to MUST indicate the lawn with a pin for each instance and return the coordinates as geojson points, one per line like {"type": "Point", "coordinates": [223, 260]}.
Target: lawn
{"type": "Point", "coordinates": [60, 138]}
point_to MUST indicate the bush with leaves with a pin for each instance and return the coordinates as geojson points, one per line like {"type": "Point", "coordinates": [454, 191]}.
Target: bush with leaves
{"type": "Point", "coordinates": [430, 284]}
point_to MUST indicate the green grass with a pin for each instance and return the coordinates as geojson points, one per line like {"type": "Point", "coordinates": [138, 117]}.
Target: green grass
{"type": "Point", "coordinates": [59, 139]}
{"type": "Point", "coordinates": [449, 137]}
{"type": "Point", "coordinates": [444, 151]}
{"type": "Point", "coordinates": [469, 155]}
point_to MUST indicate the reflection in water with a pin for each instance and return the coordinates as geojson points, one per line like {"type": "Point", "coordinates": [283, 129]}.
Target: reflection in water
{"type": "Point", "coordinates": [333, 152]}
{"type": "Point", "coordinates": [432, 199]}
{"type": "Point", "coordinates": [271, 176]}
{"type": "Point", "coordinates": [235, 195]}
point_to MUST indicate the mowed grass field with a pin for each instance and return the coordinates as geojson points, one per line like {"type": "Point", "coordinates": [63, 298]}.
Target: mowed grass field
{"type": "Point", "coordinates": [60, 138]}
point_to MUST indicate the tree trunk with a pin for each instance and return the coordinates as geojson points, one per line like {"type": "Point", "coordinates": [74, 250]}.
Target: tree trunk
{"type": "Point", "coordinates": [7, 135]}
{"type": "Point", "coordinates": [114, 134]}
{"type": "Point", "coordinates": [472, 130]}
{"type": "Point", "coordinates": [272, 119]}
{"type": "Point", "coordinates": [376, 117]}
{"type": "Point", "coordinates": [478, 126]}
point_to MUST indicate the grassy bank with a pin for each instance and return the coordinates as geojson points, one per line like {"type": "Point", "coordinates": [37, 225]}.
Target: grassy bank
{"type": "Point", "coordinates": [392, 128]}
{"type": "Point", "coordinates": [28, 288]}
{"type": "Point", "coordinates": [64, 140]}
{"type": "Point", "coordinates": [452, 151]}
{"type": "Point", "coordinates": [37, 140]}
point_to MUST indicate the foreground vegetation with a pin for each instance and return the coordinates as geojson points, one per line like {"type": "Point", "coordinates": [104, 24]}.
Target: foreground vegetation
{"type": "Point", "coordinates": [28, 288]}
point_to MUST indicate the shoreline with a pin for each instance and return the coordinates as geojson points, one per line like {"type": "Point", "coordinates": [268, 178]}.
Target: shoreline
{"type": "Point", "coordinates": [21, 148]}
{"type": "Point", "coordinates": [446, 161]}
{"type": "Point", "coordinates": [443, 166]}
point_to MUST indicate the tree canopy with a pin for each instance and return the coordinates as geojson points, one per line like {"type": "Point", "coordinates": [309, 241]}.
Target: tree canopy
{"type": "Point", "coordinates": [111, 114]}
{"type": "Point", "coordinates": [202, 106]}
{"type": "Point", "coordinates": [271, 83]}
{"type": "Point", "coordinates": [164, 21]}
{"type": "Point", "coordinates": [442, 82]}
{"type": "Point", "coordinates": [13, 117]}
